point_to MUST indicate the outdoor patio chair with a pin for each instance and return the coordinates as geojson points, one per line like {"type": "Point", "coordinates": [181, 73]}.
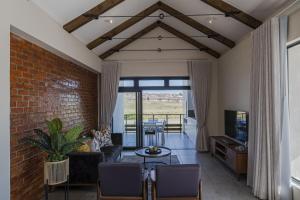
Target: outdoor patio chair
{"type": "Point", "coordinates": [150, 132]}
{"type": "Point", "coordinates": [160, 130]}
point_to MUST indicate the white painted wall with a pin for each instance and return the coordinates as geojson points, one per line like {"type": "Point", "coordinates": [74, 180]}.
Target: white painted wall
{"type": "Point", "coordinates": [4, 102]}
{"type": "Point", "coordinates": [27, 20]}
{"type": "Point", "coordinates": [294, 27]}
{"type": "Point", "coordinates": [234, 79]}
{"type": "Point", "coordinates": [30, 21]}
{"type": "Point", "coordinates": [154, 68]}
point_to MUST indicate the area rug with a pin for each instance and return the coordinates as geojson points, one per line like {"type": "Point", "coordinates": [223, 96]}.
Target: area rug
{"type": "Point", "coordinates": [151, 162]}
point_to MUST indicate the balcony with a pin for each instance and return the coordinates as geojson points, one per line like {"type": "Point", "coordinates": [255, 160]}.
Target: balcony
{"type": "Point", "coordinates": [174, 122]}
{"type": "Point", "coordinates": [173, 131]}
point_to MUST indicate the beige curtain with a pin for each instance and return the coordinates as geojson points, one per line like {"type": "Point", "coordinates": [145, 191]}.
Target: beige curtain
{"type": "Point", "coordinates": [110, 76]}
{"type": "Point", "coordinates": [266, 116]}
{"type": "Point", "coordinates": [200, 78]}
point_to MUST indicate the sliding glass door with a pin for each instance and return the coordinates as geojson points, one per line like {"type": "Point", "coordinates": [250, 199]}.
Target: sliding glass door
{"type": "Point", "coordinates": [154, 101]}
{"type": "Point", "coordinates": [165, 111]}
{"type": "Point", "coordinates": [127, 118]}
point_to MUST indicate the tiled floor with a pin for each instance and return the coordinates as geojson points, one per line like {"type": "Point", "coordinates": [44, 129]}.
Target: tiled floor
{"type": "Point", "coordinates": [172, 140]}
{"type": "Point", "coordinates": [219, 183]}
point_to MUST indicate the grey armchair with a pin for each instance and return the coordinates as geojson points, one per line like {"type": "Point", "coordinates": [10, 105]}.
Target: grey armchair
{"type": "Point", "coordinates": [122, 181]}
{"type": "Point", "coordinates": [176, 182]}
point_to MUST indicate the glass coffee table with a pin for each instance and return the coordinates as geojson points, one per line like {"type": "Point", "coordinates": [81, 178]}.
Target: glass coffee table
{"type": "Point", "coordinates": [165, 152]}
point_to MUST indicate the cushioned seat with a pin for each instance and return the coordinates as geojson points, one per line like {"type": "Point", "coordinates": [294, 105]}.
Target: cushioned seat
{"type": "Point", "coordinates": [177, 182]}
{"type": "Point", "coordinates": [121, 181]}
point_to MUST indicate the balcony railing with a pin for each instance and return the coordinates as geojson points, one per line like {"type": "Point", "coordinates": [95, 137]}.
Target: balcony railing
{"type": "Point", "coordinates": [174, 122]}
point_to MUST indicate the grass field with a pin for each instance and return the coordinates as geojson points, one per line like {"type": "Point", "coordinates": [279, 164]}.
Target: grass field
{"type": "Point", "coordinates": [156, 104]}
{"type": "Point", "coordinates": [159, 107]}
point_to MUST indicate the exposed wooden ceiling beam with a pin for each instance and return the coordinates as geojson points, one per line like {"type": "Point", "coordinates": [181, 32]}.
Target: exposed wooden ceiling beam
{"type": "Point", "coordinates": [129, 40]}
{"type": "Point", "coordinates": [188, 39]}
{"type": "Point", "coordinates": [234, 12]}
{"type": "Point", "coordinates": [90, 15]}
{"type": "Point", "coordinates": [196, 25]}
{"type": "Point", "coordinates": [128, 23]}
{"type": "Point", "coordinates": [166, 27]}
{"type": "Point", "coordinates": [171, 11]}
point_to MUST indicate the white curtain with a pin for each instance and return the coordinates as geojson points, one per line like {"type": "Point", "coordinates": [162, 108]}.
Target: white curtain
{"type": "Point", "coordinates": [285, 160]}
{"type": "Point", "coordinates": [268, 83]}
{"type": "Point", "coordinates": [200, 78]}
{"type": "Point", "coordinates": [110, 77]}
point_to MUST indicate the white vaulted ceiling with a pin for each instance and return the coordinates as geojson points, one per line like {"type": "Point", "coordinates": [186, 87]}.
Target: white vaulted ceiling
{"type": "Point", "coordinates": [65, 10]}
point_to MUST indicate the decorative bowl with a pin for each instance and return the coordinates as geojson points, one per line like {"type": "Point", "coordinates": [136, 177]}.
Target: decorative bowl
{"type": "Point", "coordinates": [153, 150]}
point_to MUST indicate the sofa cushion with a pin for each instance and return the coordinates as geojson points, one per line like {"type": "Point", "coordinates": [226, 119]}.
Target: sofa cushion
{"type": "Point", "coordinates": [83, 167]}
{"type": "Point", "coordinates": [111, 153]}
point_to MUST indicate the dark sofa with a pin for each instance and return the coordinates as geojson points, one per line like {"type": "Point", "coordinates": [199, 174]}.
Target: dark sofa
{"type": "Point", "coordinates": [84, 165]}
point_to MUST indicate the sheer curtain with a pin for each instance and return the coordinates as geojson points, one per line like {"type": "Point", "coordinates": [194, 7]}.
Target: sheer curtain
{"type": "Point", "coordinates": [268, 130]}
{"type": "Point", "coordinates": [110, 77]}
{"type": "Point", "coordinates": [200, 78]}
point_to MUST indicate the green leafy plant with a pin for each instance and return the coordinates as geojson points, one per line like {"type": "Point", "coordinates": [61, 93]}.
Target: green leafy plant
{"type": "Point", "coordinates": [56, 144]}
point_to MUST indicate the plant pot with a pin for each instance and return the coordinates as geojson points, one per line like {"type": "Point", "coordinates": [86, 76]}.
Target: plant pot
{"type": "Point", "coordinates": [56, 172]}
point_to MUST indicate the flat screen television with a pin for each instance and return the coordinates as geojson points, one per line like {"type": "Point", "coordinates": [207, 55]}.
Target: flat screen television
{"type": "Point", "coordinates": [236, 125]}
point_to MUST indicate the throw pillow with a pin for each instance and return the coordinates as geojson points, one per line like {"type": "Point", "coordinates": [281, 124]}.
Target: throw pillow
{"type": "Point", "coordinates": [106, 137]}
{"type": "Point", "coordinates": [101, 139]}
{"type": "Point", "coordinates": [84, 148]}
{"type": "Point", "coordinates": [95, 145]}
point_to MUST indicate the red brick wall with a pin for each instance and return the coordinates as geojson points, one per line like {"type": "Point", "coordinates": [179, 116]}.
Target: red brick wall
{"type": "Point", "coordinates": [43, 86]}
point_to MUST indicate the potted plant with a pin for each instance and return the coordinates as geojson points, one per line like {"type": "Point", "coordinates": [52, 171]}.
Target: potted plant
{"type": "Point", "coordinates": [56, 144]}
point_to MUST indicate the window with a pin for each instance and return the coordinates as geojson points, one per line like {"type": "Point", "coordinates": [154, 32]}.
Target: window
{"type": "Point", "coordinates": [294, 104]}
{"type": "Point", "coordinates": [179, 83]}
{"type": "Point", "coordinates": [126, 83]}
{"type": "Point", "coordinates": [149, 83]}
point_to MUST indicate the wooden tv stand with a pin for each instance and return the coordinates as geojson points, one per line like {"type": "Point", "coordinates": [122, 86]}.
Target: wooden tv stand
{"type": "Point", "coordinates": [228, 152]}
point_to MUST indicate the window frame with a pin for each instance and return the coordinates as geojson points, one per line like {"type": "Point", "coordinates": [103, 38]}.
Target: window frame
{"type": "Point", "coordinates": [294, 180]}
{"type": "Point", "coordinates": [136, 87]}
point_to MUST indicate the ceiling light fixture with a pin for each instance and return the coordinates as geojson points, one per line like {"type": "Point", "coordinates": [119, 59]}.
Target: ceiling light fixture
{"type": "Point", "coordinates": [211, 20]}
{"type": "Point", "coordinates": [110, 21]}
{"type": "Point", "coordinates": [161, 16]}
